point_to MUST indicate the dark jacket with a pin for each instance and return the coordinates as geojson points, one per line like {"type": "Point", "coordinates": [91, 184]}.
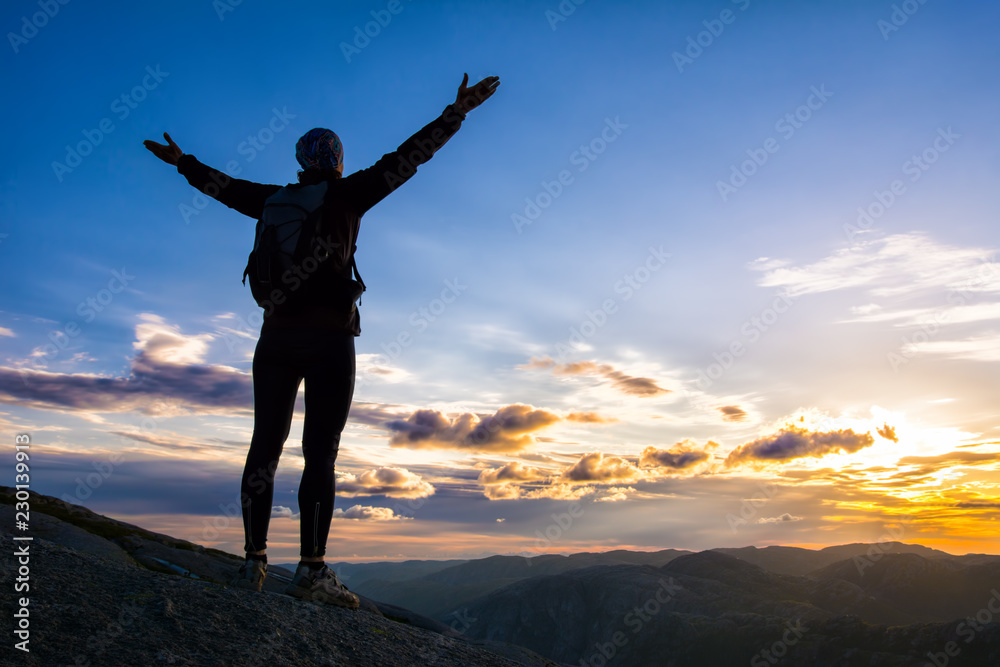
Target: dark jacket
{"type": "Point", "coordinates": [347, 199]}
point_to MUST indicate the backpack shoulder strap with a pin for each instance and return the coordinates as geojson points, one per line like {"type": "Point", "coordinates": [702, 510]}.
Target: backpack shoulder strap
{"type": "Point", "coordinates": [257, 231]}
{"type": "Point", "coordinates": [354, 268]}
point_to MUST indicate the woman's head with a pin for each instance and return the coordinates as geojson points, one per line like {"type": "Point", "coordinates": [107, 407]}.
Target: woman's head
{"type": "Point", "coordinates": [320, 150]}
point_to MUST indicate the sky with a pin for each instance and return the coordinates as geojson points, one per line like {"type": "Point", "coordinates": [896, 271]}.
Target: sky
{"type": "Point", "coordinates": [699, 274]}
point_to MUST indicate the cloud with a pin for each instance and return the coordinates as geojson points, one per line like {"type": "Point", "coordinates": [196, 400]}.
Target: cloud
{"type": "Point", "coordinates": [371, 414]}
{"type": "Point", "coordinates": [514, 480]}
{"type": "Point", "coordinates": [279, 511]}
{"type": "Point", "coordinates": [589, 418]}
{"type": "Point", "coordinates": [887, 432]}
{"type": "Point", "coordinates": [932, 315]}
{"type": "Point", "coordinates": [733, 413]}
{"type": "Point", "coordinates": [165, 343]}
{"type": "Point", "coordinates": [512, 472]}
{"type": "Point", "coordinates": [172, 443]}
{"type": "Point", "coordinates": [502, 491]}
{"type": "Point", "coordinates": [927, 465]}
{"type": "Point", "coordinates": [368, 513]}
{"type": "Point", "coordinates": [615, 494]}
{"type": "Point", "coordinates": [560, 492]}
{"type": "Point", "coordinates": [595, 467]}
{"type": "Point", "coordinates": [635, 386]}
{"type": "Point", "coordinates": [679, 457]}
{"type": "Point", "coordinates": [378, 367]}
{"type": "Point", "coordinates": [166, 376]}
{"type": "Point", "coordinates": [391, 482]}
{"type": "Point", "coordinates": [628, 384]}
{"type": "Point", "coordinates": [4, 331]}
{"type": "Point", "coordinates": [867, 310]}
{"type": "Point", "coordinates": [985, 348]}
{"type": "Point", "coordinates": [784, 518]}
{"type": "Point", "coordinates": [978, 505]}
{"type": "Point", "coordinates": [793, 443]}
{"type": "Point", "coordinates": [507, 430]}
{"type": "Point", "coordinates": [541, 363]}
{"type": "Point", "coordinates": [892, 265]}
{"type": "Point", "coordinates": [542, 458]}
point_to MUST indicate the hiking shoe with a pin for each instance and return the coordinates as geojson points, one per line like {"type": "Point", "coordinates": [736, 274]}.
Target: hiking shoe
{"type": "Point", "coordinates": [321, 586]}
{"type": "Point", "coordinates": [251, 576]}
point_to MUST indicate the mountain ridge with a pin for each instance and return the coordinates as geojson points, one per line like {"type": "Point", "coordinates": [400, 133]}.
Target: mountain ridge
{"type": "Point", "coordinates": [890, 604]}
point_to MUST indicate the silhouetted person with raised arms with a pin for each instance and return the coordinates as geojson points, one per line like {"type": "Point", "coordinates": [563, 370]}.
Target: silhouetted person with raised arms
{"type": "Point", "coordinates": [310, 321]}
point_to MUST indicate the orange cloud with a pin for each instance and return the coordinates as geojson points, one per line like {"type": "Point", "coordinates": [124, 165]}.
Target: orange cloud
{"type": "Point", "coordinates": [679, 457]}
{"type": "Point", "coordinates": [392, 482]}
{"type": "Point", "coordinates": [507, 430]}
{"type": "Point", "coordinates": [793, 442]}
{"type": "Point", "coordinates": [589, 418]}
{"type": "Point", "coordinates": [512, 472]}
{"type": "Point", "coordinates": [502, 491]}
{"type": "Point", "coordinates": [733, 413]}
{"type": "Point", "coordinates": [888, 432]}
{"type": "Point", "coordinates": [615, 494]}
{"type": "Point", "coordinates": [927, 465]}
{"type": "Point", "coordinates": [572, 483]}
{"type": "Point", "coordinates": [784, 518]}
{"type": "Point", "coordinates": [595, 467]}
{"type": "Point", "coordinates": [510, 429]}
{"type": "Point", "coordinates": [561, 492]}
{"type": "Point", "coordinates": [628, 384]}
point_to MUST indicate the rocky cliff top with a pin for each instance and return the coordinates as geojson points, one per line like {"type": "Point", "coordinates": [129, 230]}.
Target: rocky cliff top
{"type": "Point", "coordinates": [104, 592]}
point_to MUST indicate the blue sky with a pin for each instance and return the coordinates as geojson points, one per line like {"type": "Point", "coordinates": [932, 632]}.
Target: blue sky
{"type": "Point", "coordinates": [753, 334]}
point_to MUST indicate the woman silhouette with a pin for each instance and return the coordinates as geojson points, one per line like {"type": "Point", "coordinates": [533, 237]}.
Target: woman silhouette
{"type": "Point", "coordinates": [316, 342]}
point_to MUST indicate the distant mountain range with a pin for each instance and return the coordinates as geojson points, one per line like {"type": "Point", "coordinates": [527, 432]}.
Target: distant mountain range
{"type": "Point", "coordinates": [107, 592]}
{"type": "Point", "coordinates": [855, 604]}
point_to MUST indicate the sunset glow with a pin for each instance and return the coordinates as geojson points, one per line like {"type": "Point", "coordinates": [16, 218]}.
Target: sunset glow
{"type": "Point", "coordinates": [606, 315]}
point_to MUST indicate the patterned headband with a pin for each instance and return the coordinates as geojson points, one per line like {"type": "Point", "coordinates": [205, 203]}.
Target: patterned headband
{"type": "Point", "coordinates": [319, 148]}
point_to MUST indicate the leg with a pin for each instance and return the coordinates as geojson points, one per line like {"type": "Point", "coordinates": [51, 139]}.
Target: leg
{"type": "Point", "coordinates": [275, 385]}
{"type": "Point", "coordinates": [329, 389]}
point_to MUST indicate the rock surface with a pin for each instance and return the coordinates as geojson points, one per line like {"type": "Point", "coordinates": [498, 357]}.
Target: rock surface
{"type": "Point", "coordinates": [93, 603]}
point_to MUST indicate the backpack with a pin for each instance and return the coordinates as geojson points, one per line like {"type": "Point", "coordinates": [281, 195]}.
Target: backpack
{"type": "Point", "coordinates": [293, 263]}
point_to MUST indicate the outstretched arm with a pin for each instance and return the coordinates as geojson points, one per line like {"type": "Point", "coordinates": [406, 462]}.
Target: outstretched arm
{"type": "Point", "coordinates": [246, 197]}
{"type": "Point", "coordinates": [394, 169]}
{"type": "Point", "coordinates": [470, 98]}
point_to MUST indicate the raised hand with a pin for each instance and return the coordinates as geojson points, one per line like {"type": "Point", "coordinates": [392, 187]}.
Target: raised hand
{"type": "Point", "coordinates": [169, 152]}
{"type": "Point", "coordinates": [470, 98]}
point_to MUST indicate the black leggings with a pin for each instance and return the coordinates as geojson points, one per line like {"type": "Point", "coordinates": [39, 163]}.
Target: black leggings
{"type": "Point", "coordinates": [282, 359]}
